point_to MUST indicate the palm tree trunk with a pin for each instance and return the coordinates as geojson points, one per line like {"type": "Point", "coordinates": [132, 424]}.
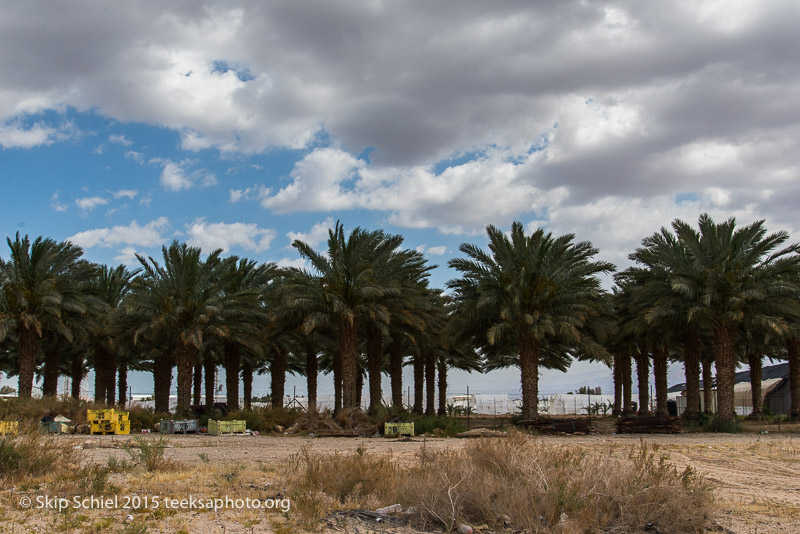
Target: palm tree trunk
{"type": "Point", "coordinates": [312, 369]}
{"type": "Point", "coordinates": [691, 363]}
{"type": "Point", "coordinates": [359, 387]}
{"type": "Point", "coordinates": [754, 360]}
{"type": "Point", "coordinates": [278, 377]}
{"type": "Point", "coordinates": [660, 373]}
{"type": "Point", "coordinates": [52, 361]}
{"type": "Point", "coordinates": [198, 383]}
{"type": "Point", "coordinates": [184, 359]}
{"type": "Point", "coordinates": [396, 372]}
{"type": "Point", "coordinates": [210, 375]}
{"type": "Point", "coordinates": [247, 384]}
{"type": "Point", "coordinates": [110, 379]}
{"type": "Point", "coordinates": [162, 381]}
{"type": "Point", "coordinates": [793, 355]}
{"type": "Point", "coordinates": [430, 383]}
{"type": "Point", "coordinates": [348, 346]}
{"type": "Point", "coordinates": [725, 358]}
{"type": "Point", "coordinates": [77, 374]}
{"type": "Point", "coordinates": [123, 384]}
{"type": "Point", "coordinates": [708, 387]}
{"type": "Point", "coordinates": [627, 384]}
{"type": "Point", "coordinates": [643, 375]}
{"type": "Point", "coordinates": [100, 369]}
{"type": "Point", "coordinates": [442, 387]}
{"type": "Point", "coordinates": [232, 365]}
{"type": "Point", "coordinates": [617, 384]}
{"type": "Point", "coordinates": [529, 369]}
{"type": "Point", "coordinates": [419, 382]}
{"type": "Point", "coordinates": [375, 366]}
{"type": "Point", "coordinates": [337, 383]}
{"type": "Point", "coordinates": [27, 359]}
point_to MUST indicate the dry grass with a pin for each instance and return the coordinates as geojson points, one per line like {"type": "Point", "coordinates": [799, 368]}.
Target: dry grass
{"type": "Point", "coordinates": [31, 454]}
{"type": "Point", "coordinates": [516, 482]}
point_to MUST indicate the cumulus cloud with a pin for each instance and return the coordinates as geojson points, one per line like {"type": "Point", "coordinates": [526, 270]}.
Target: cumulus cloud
{"type": "Point", "coordinates": [138, 157]}
{"type": "Point", "coordinates": [120, 140]}
{"type": "Point", "coordinates": [297, 263]}
{"type": "Point", "coordinates": [56, 204]}
{"type": "Point", "coordinates": [249, 193]}
{"type": "Point", "coordinates": [469, 113]}
{"type": "Point", "coordinates": [16, 136]}
{"type": "Point", "coordinates": [130, 194]}
{"type": "Point", "coordinates": [432, 251]}
{"type": "Point", "coordinates": [148, 235]}
{"type": "Point", "coordinates": [87, 204]}
{"type": "Point", "coordinates": [211, 236]}
{"type": "Point", "coordinates": [181, 175]}
{"type": "Point", "coordinates": [314, 237]}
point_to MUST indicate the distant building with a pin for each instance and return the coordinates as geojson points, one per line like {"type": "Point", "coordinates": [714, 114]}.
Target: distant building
{"type": "Point", "coordinates": [774, 389]}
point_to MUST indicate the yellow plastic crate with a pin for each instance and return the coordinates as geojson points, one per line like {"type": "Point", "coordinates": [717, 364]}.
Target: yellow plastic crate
{"type": "Point", "coordinates": [122, 428]}
{"type": "Point", "coordinates": [398, 429]}
{"type": "Point", "coordinates": [108, 415]}
{"type": "Point", "coordinates": [215, 428]}
{"type": "Point", "coordinates": [9, 427]}
{"type": "Point", "coordinates": [103, 427]}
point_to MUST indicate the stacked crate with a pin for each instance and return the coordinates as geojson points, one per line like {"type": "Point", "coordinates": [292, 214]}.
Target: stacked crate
{"type": "Point", "coordinates": [9, 427]}
{"type": "Point", "coordinates": [178, 426]}
{"type": "Point", "coordinates": [108, 422]}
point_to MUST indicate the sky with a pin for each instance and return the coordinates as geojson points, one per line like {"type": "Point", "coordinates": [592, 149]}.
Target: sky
{"type": "Point", "coordinates": [244, 125]}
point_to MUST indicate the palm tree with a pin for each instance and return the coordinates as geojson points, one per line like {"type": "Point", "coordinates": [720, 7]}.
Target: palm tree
{"type": "Point", "coordinates": [739, 277]}
{"type": "Point", "coordinates": [108, 287]}
{"type": "Point", "coordinates": [535, 293]}
{"type": "Point", "coordinates": [182, 302]}
{"type": "Point", "coordinates": [32, 299]}
{"type": "Point", "coordinates": [343, 293]}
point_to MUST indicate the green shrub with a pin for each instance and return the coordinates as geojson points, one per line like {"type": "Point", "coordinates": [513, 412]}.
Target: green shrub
{"type": "Point", "coordinates": [149, 453]}
{"type": "Point", "coordinates": [425, 424]}
{"type": "Point", "coordinates": [265, 419]}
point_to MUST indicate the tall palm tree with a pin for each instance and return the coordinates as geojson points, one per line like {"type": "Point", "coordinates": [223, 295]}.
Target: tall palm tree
{"type": "Point", "coordinates": [535, 293]}
{"type": "Point", "coordinates": [109, 287]}
{"type": "Point", "coordinates": [344, 292]}
{"type": "Point", "coordinates": [33, 300]}
{"type": "Point", "coordinates": [740, 276]}
{"type": "Point", "coordinates": [183, 302]}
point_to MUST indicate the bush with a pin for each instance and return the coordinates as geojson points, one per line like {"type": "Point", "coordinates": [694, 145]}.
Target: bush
{"type": "Point", "coordinates": [31, 454]}
{"type": "Point", "coordinates": [516, 483]}
{"type": "Point", "coordinates": [726, 426]}
{"type": "Point", "coordinates": [424, 424]}
{"type": "Point", "coordinates": [149, 453]}
{"type": "Point", "coordinates": [265, 419]}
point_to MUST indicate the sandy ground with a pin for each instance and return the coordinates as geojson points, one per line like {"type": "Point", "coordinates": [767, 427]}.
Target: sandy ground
{"type": "Point", "coordinates": [756, 477]}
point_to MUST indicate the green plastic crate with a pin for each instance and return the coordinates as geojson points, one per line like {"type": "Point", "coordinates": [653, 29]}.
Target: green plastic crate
{"type": "Point", "coordinates": [398, 429]}
{"type": "Point", "coordinates": [215, 428]}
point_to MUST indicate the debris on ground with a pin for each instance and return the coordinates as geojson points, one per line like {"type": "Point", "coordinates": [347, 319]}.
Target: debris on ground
{"type": "Point", "coordinates": [482, 433]}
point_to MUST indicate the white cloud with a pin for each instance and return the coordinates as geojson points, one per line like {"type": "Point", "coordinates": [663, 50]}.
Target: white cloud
{"type": "Point", "coordinates": [138, 157]}
{"type": "Point", "coordinates": [127, 256]}
{"type": "Point", "coordinates": [179, 176]}
{"type": "Point", "coordinates": [89, 203]}
{"type": "Point", "coordinates": [120, 140]}
{"type": "Point", "coordinates": [298, 263]}
{"type": "Point", "coordinates": [16, 136]}
{"type": "Point", "coordinates": [56, 204]}
{"type": "Point", "coordinates": [211, 236]}
{"type": "Point", "coordinates": [146, 199]}
{"type": "Point", "coordinates": [126, 193]}
{"type": "Point", "coordinates": [432, 251]}
{"type": "Point", "coordinates": [250, 193]}
{"type": "Point", "coordinates": [148, 235]}
{"type": "Point", "coordinates": [314, 237]}
{"type": "Point", "coordinates": [318, 182]}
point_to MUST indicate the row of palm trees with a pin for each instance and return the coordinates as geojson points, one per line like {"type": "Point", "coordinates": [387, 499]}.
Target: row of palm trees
{"type": "Point", "coordinates": [364, 308]}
